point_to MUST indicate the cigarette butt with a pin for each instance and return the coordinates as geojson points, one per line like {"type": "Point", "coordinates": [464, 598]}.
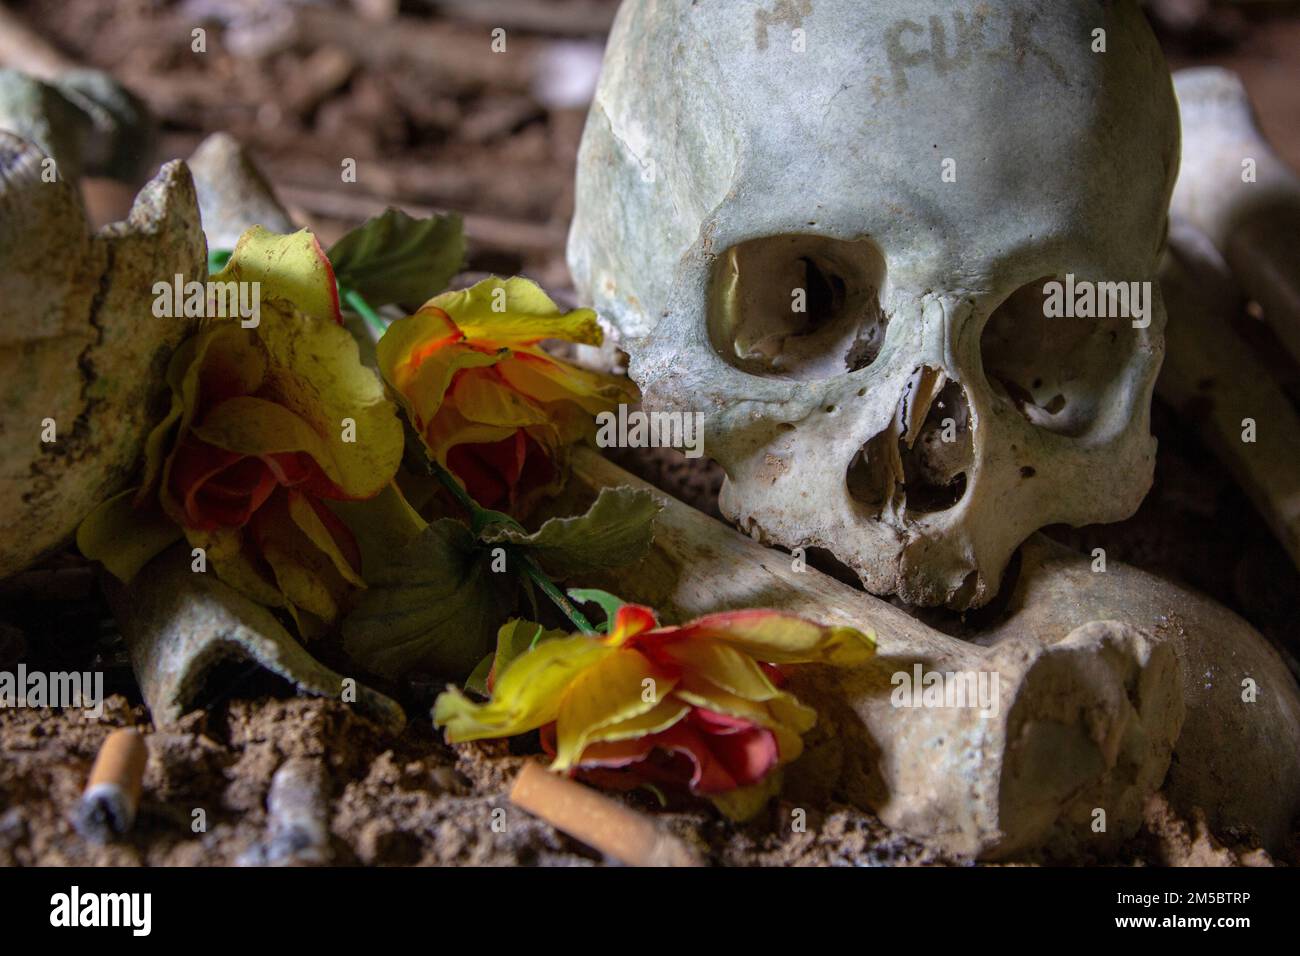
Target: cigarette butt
{"type": "Point", "coordinates": [596, 820]}
{"type": "Point", "coordinates": [298, 807]}
{"type": "Point", "coordinates": [107, 807]}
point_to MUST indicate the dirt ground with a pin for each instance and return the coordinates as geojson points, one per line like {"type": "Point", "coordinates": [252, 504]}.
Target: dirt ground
{"type": "Point", "coordinates": [436, 129]}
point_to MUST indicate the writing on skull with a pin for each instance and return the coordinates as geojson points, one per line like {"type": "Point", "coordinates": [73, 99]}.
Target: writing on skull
{"type": "Point", "coordinates": [1055, 371]}
{"type": "Point", "coordinates": [798, 306]}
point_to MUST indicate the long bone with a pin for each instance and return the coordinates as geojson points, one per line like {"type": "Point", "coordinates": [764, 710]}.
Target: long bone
{"type": "Point", "coordinates": [1235, 188]}
{"type": "Point", "coordinates": [1093, 673]}
{"type": "Point", "coordinates": [976, 786]}
{"type": "Point", "coordinates": [1211, 375]}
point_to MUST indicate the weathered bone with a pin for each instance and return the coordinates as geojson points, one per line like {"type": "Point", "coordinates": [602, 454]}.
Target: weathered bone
{"type": "Point", "coordinates": [1091, 696]}
{"type": "Point", "coordinates": [1214, 379]}
{"type": "Point", "coordinates": [233, 194]}
{"type": "Point", "coordinates": [1236, 189]}
{"type": "Point", "coordinates": [79, 344]}
{"type": "Point", "coordinates": [179, 624]}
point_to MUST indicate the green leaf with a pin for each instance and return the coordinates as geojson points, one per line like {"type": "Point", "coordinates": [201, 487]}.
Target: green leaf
{"type": "Point", "coordinates": [477, 681]}
{"type": "Point", "coordinates": [609, 603]}
{"type": "Point", "coordinates": [616, 530]}
{"type": "Point", "coordinates": [394, 258]}
{"type": "Point", "coordinates": [433, 607]}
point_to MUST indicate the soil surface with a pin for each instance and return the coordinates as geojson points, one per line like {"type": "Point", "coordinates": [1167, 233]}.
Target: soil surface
{"type": "Point", "coordinates": [434, 130]}
{"type": "Point", "coordinates": [402, 801]}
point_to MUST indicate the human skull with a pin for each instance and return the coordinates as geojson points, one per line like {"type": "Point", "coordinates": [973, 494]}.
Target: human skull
{"type": "Point", "coordinates": [911, 173]}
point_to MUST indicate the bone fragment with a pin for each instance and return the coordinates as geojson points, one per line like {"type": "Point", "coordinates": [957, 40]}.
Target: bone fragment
{"type": "Point", "coordinates": [179, 623]}
{"type": "Point", "coordinates": [82, 356]}
{"type": "Point", "coordinates": [1236, 189]}
{"type": "Point", "coordinates": [1211, 376]}
{"type": "Point", "coordinates": [232, 192]}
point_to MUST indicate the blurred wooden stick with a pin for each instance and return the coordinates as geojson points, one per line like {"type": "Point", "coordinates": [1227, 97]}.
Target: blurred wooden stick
{"type": "Point", "coordinates": [22, 48]}
{"type": "Point", "coordinates": [571, 18]}
{"type": "Point", "coordinates": [488, 232]}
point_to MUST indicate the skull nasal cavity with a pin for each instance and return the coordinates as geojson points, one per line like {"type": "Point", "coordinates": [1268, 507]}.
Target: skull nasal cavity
{"type": "Point", "coordinates": [919, 463]}
{"type": "Point", "coordinates": [798, 306]}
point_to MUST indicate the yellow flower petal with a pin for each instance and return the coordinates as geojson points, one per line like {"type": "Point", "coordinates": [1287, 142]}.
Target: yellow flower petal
{"type": "Point", "coordinates": [723, 666]}
{"type": "Point", "coordinates": [608, 692]}
{"type": "Point", "coordinates": [659, 718]}
{"type": "Point", "coordinates": [218, 354]}
{"type": "Point", "coordinates": [783, 714]}
{"type": "Point", "coordinates": [292, 271]}
{"type": "Point", "coordinates": [123, 537]}
{"type": "Point", "coordinates": [310, 524]}
{"type": "Point", "coordinates": [315, 371]}
{"type": "Point", "coordinates": [479, 398]}
{"type": "Point", "coordinates": [548, 379]}
{"type": "Point", "coordinates": [515, 312]}
{"type": "Point", "coordinates": [745, 803]}
{"type": "Point", "coordinates": [526, 696]}
{"type": "Point", "coordinates": [424, 393]}
{"type": "Point", "coordinates": [254, 426]}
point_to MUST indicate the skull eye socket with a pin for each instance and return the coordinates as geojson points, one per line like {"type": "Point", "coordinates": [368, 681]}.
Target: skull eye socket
{"type": "Point", "coordinates": [1057, 370]}
{"type": "Point", "coordinates": [798, 306]}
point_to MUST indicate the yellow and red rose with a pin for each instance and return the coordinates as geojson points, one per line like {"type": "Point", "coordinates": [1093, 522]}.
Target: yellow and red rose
{"type": "Point", "coordinates": [697, 707]}
{"type": "Point", "coordinates": [267, 424]}
{"type": "Point", "coordinates": [492, 406]}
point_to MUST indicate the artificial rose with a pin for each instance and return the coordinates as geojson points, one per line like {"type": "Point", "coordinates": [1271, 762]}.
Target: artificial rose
{"type": "Point", "coordinates": [266, 425]}
{"type": "Point", "coordinates": [695, 707]}
{"type": "Point", "coordinates": [492, 406]}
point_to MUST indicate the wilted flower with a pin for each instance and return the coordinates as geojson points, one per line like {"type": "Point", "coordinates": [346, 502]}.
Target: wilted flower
{"type": "Point", "coordinates": [491, 404]}
{"type": "Point", "coordinates": [697, 707]}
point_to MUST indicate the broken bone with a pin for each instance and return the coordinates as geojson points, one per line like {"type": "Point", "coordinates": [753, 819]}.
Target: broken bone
{"type": "Point", "coordinates": [1238, 756]}
{"type": "Point", "coordinates": [85, 120]}
{"type": "Point", "coordinates": [232, 192]}
{"type": "Point", "coordinates": [82, 357]}
{"type": "Point", "coordinates": [1098, 666]}
{"type": "Point", "coordinates": [178, 624]}
{"type": "Point", "coordinates": [1244, 197]}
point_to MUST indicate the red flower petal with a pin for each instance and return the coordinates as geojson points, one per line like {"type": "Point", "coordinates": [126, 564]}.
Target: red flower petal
{"type": "Point", "coordinates": [705, 753]}
{"type": "Point", "coordinates": [217, 488]}
{"type": "Point", "coordinates": [498, 474]}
